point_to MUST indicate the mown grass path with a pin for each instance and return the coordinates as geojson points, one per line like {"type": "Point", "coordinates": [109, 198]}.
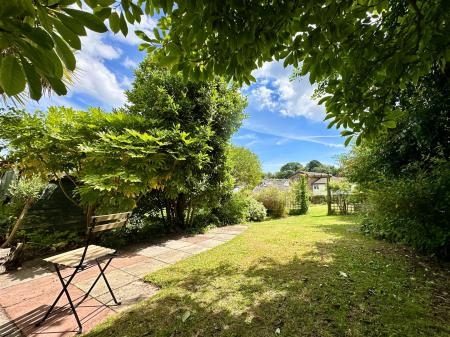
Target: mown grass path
{"type": "Point", "coordinates": [310, 275]}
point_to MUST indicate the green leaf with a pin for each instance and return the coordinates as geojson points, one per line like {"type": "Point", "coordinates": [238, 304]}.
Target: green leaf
{"type": "Point", "coordinates": [168, 60]}
{"type": "Point", "coordinates": [156, 33]}
{"type": "Point", "coordinates": [102, 13]}
{"type": "Point", "coordinates": [137, 12]}
{"type": "Point", "coordinates": [346, 133]}
{"type": "Point", "coordinates": [114, 22]}
{"type": "Point", "coordinates": [87, 19]}
{"type": "Point", "coordinates": [12, 78]}
{"type": "Point", "coordinates": [123, 25]}
{"type": "Point", "coordinates": [64, 52]}
{"type": "Point", "coordinates": [33, 79]}
{"type": "Point", "coordinates": [57, 85]}
{"type": "Point", "coordinates": [40, 37]}
{"type": "Point", "coordinates": [391, 124]}
{"type": "Point", "coordinates": [348, 140]}
{"type": "Point", "coordinates": [69, 36]}
{"type": "Point", "coordinates": [129, 16]}
{"type": "Point", "coordinates": [72, 24]}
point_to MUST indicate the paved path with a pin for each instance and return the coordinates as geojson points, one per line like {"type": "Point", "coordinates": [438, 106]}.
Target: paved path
{"type": "Point", "coordinates": [26, 294]}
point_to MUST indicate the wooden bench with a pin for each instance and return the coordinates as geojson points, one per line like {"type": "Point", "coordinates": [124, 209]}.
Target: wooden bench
{"type": "Point", "coordinates": [82, 258]}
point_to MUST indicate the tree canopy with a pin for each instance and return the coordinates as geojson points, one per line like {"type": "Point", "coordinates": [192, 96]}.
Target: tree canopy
{"type": "Point", "coordinates": [289, 169]}
{"type": "Point", "coordinates": [210, 110]}
{"type": "Point", "coordinates": [111, 158]}
{"type": "Point", "coordinates": [360, 53]}
{"type": "Point", "coordinates": [245, 166]}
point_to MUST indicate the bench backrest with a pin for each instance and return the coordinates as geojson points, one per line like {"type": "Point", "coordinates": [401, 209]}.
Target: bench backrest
{"type": "Point", "coordinates": [100, 223]}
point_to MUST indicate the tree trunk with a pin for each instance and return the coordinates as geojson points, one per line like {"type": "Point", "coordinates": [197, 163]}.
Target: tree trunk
{"type": "Point", "coordinates": [180, 210]}
{"type": "Point", "coordinates": [18, 223]}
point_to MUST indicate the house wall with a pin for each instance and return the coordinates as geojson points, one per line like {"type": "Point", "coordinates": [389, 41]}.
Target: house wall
{"type": "Point", "coordinates": [319, 189]}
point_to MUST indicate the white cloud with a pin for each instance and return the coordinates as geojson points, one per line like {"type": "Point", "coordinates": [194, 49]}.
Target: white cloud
{"type": "Point", "coordinates": [129, 63]}
{"type": "Point", "coordinates": [265, 97]}
{"type": "Point", "coordinates": [126, 82]}
{"type": "Point", "coordinates": [93, 77]}
{"type": "Point", "coordinates": [94, 46]}
{"type": "Point", "coordinates": [289, 97]}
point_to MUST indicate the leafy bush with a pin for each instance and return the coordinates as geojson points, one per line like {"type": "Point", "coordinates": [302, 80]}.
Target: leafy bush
{"type": "Point", "coordinates": [255, 210]}
{"type": "Point", "coordinates": [274, 200]}
{"type": "Point", "coordinates": [300, 196]}
{"type": "Point", "coordinates": [240, 207]}
{"type": "Point", "coordinates": [413, 211]}
{"type": "Point", "coordinates": [233, 210]}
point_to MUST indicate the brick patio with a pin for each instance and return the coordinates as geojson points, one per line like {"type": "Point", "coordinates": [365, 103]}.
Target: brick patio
{"type": "Point", "coordinates": [26, 294]}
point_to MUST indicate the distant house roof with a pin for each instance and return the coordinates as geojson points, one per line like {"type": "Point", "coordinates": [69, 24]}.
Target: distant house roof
{"type": "Point", "coordinates": [321, 181]}
{"type": "Point", "coordinates": [281, 184]}
{"type": "Point", "coordinates": [310, 174]}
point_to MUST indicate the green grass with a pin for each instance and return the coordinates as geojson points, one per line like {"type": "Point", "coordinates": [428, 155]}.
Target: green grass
{"type": "Point", "coordinates": [310, 275]}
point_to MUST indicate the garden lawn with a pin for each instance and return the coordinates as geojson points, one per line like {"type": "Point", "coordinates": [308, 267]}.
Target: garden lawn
{"type": "Point", "coordinates": [310, 275]}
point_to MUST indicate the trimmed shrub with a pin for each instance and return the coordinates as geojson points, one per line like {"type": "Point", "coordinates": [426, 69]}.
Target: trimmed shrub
{"type": "Point", "coordinates": [274, 200]}
{"type": "Point", "coordinates": [255, 210]}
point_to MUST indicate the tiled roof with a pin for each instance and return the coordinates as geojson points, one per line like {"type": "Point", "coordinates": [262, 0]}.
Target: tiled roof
{"type": "Point", "coordinates": [282, 184]}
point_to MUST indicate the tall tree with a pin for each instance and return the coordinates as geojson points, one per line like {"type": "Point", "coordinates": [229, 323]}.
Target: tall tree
{"type": "Point", "coordinates": [212, 111]}
{"type": "Point", "coordinates": [289, 169]}
{"type": "Point", "coordinates": [245, 166]}
{"type": "Point", "coordinates": [313, 164]}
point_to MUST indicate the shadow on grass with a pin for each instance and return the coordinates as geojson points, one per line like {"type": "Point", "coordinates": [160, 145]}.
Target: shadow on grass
{"type": "Point", "coordinates": [347, 286]}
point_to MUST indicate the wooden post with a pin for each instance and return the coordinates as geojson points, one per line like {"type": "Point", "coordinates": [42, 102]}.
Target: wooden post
{"type": "Point", "coordinates": [328, 195]}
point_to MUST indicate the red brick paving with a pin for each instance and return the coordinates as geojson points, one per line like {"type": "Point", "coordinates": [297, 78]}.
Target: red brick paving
{"type": "Point", "coordinates": [26, 295]}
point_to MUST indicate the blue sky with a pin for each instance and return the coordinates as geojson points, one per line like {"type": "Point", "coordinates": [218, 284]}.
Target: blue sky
{"type": "Point", "coordinates": [284, 124]}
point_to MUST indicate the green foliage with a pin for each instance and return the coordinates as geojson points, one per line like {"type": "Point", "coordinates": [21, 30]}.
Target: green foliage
{"type": "Point", "coordinates": [274, 200]}
{"type": "Point", "coordinates": [317, 166]}
{"type": "Point", "coordinates": [111, 158]}
{"type": "Point", "coordinates": [341, 193]}
{"type": "Point", "coordinates": [245, 167]}
{"type": "Point", "coordinates": [318, 199]}
{"type": "Point", "coordinates": [234, 210]}
{"type": "Point", "coordinates": [26, 188]}
{"type": "Point", "coordinates": [38, 39]}
{"type": "Point", "coordinates": [288, 170]}
{"type": "Point", "coordinates": [22, 193]}
{"type": "Point", "coordinates": [413, 211]}
{"type": "Point", "coordinates": [43, 240]}
{"type": "Point", "coordinates": [300, 196]}
{"type": "Point", "coordinates": [212, 111]}
{"type": "Point", "coordinates": [240, 207]}
{"type": "Point", "coordinates": [255, 210]}
{"type": "Point", "coordinates": [405, 171]}
{"type": "Point", "coordinates": [360, 53]}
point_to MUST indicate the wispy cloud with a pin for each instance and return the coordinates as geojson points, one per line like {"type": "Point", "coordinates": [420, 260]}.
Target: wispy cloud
{"type": "Point", "coordinates": [318, 139]}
